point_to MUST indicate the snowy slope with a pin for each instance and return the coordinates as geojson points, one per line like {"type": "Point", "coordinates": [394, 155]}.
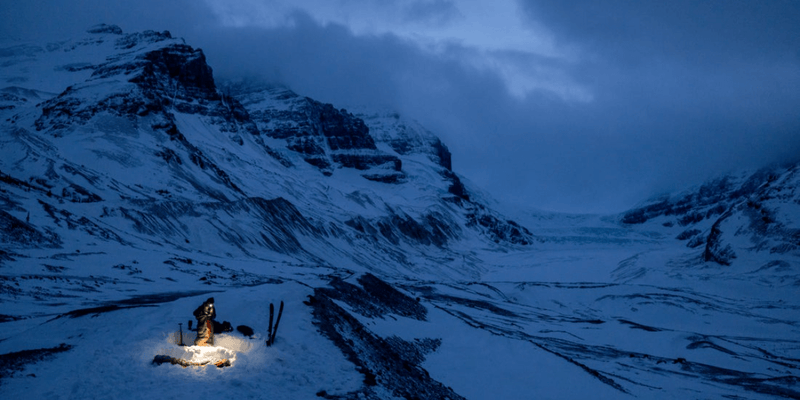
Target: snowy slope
{"type": "Point", "coordinates": [133, 186]}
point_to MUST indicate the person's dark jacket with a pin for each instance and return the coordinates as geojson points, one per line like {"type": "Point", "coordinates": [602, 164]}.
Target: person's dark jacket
{"type": "Point", "coordinates": [205, 314]}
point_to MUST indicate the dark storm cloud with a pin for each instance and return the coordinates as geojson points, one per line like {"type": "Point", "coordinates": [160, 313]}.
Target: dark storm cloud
{"type": "Point", "coordinates": [699, 32]}
{"type": "Point", "coordinates": [692, 88]}
{"type": "Point", "coordinates": [649, 96]}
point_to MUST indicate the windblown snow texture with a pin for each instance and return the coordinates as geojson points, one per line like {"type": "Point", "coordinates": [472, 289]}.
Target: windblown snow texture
{"type": "Point", "coordinates": [134, 184]}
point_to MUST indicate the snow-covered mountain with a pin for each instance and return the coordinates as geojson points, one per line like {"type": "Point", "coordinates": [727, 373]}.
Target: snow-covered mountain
{"type": "Point", "coordinates": [751, 216]}
{"type": "Point", "coordinates": [133, 185]}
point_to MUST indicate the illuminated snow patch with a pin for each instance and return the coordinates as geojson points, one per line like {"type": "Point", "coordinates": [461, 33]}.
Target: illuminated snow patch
{"type": "Point", "coordinates": [226, 347]}
{"type": "Point", "coordinates": [233, 343]}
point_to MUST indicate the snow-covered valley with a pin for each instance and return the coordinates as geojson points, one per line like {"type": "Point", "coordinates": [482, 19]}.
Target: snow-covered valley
{"type": "Point", "coordinates": [133, 186]}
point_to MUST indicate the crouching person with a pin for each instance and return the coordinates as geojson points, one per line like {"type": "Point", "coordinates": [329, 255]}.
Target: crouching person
{"type": "Point", "coordinates": [205, 314]}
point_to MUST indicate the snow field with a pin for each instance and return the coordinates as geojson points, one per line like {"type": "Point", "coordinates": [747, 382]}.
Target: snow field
{"type": "Point", "coordinates": [113, 353]}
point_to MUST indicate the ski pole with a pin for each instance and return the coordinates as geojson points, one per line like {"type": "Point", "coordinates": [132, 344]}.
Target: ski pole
{"type": "Point", "coordinates": [180, 332]}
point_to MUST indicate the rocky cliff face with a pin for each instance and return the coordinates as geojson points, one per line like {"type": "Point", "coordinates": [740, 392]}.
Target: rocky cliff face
{"type": "Point", "coordinates": [132, 140]}
{"type": "Point", "coordinates": [325, 137]}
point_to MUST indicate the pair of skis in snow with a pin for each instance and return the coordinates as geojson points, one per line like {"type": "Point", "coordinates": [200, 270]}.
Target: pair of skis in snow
{"type": "Point", "coordinates": [270, 331]}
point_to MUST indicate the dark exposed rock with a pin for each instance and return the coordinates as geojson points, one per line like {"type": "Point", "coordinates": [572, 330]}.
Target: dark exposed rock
{"type": "Point", "coordinates": [95, 311]}
{"type": "Point", "coordinates": [366, 161]}
{"type": "Point", "coordinates": [471, 303]}
{"type": "Point", "coordinates": [73, 222]}
{"type": "Point", "coordinates": [443, 153]}
{"type": "Point", "coordinates": [275, 223]}
{"type": "Point", "coordinates": [636, 325]}
{"type": "Point", "coordinates": [716, 250]}
{"type": "Point", "coordinates": [327, 137]}
{"type": "Point", "coordinates": [439, 152]}
{"type": "Point", "coordinates": [132, 40]}
{"type": "Point", "coordinates": [407, 137]}
{"type": "Point", "coordinates": [711, 199]}
{"type": "Point", "coordinates": [391, 363]}
{"type": "Point", "coordinates": [305, 145]}
{"type": "Point", "coordinates": [169, 156]}
{"type": "Point", "coordinates": [688, 234]}
{"type": "Point", "coordinates": [17, 232]}
{"type": "Point", "coordinates": [182, 65]}
{"type": "Point", "coordinates": [414, 352]}
{"type": "Point", "coordinates": [497, 229]}
{"type": "Point", "coordinates": [342, 130]}
{"type": "Point", "coordinates": [173, 77]}
{"type": "Point", "coordinates": [16, 361]}
{"type": "Point", "coordinates": [12, 97]}
{"type": "Point", "coordinates": [753, 215]}
{"type": "Point", "coordinates": [691, 218]}
{"type": "Point", "coordinates": [433, 229]}
{"type": "Point", "coordinates": [696, 241]}
{"type": "Point", "coordinates": [395, 178]}
{"type": "Point", "coordinates": [8, 179]}
{"type": "Point", "coordinates": [375, 299]}
{"type": "Point", "coordinates": [385, 294]}
{"type": "Point", "coordinates": [78, 194]}
{"type": "Point", "coordinates": [457, 187]}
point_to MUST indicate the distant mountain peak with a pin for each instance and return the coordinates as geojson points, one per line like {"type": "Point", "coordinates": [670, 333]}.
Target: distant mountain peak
{"type": "Point", "coordinates": [105, 28]}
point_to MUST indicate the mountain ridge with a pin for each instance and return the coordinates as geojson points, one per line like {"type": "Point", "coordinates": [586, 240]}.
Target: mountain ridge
{"type": "Point", "coordinates": [156, 95]}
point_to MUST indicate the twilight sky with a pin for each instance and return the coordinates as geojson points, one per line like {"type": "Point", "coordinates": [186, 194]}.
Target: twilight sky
{"type": "Point", "coordinates": [576, 106]}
